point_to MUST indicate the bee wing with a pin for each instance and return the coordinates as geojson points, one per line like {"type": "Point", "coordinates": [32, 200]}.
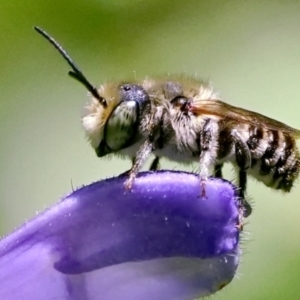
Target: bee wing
{"type": "Point", "coordinates": [224, 110]}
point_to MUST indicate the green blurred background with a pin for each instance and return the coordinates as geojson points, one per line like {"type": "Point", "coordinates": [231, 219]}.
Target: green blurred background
{"type": "Point", "coordinates": [249, 49]}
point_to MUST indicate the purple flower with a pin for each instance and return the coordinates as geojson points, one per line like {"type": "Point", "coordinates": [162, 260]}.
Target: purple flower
{"type": "Point", "coordinates": [161, 241]}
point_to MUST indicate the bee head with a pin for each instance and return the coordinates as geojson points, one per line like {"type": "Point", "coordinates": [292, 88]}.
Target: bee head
{"type": "Point", "coordinates": [115, 126]}
{"type": "Point", "coordinates": [113, 114]}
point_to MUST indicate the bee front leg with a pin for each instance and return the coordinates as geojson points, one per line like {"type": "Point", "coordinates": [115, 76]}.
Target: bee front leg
{"type": "Point", "coordinates": [243, 159]}
{"type": "Point", "coordinates": [159, 144]}
{"type": "Point", "coordinates": [138, 162]}
{"type": "Point", "coordinates": [208, 148]}
{"type": "Point", "coordinates": [127, 172]}
{"type": "Point", "coordinates": [155, 164]}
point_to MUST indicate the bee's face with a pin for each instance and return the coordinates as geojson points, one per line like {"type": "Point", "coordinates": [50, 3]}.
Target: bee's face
{"type": "Point", "coordinates": [113, 127]}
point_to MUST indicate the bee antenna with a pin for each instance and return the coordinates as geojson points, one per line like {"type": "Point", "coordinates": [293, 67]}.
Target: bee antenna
{"type": "Point", "coordinates": [76, 73]}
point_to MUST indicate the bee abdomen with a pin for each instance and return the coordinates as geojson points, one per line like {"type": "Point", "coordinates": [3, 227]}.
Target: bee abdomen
{"type": "Point", "coordinates": [280, 163]}
{"type": "Point", "coordinates": [287, 167]}
{"type": "Point", "coordinates": [257, 142]}
{"type": "Point", "coordinates": [286, 180]}
{"type": "Point", "coordinates": [272, 153]}
{"type": "Point", "coordinates": [225, 141]}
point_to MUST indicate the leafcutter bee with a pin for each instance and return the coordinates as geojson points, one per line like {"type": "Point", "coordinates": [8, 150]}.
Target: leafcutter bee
{"type": "Point", "coordinates": [185, 120]}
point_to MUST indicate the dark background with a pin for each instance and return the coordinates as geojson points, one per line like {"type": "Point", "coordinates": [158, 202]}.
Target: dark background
{"type": "Point", "coordinates": [249, 49]}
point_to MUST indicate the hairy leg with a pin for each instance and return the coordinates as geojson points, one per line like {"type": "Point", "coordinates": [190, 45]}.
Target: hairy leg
{"type": "Point", "coordinates": [138, 162]}
{"type": "Point", "coordinates": [243, 159]}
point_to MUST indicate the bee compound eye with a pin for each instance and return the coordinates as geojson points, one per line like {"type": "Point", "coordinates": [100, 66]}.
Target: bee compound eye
{"type": "Point", "coordinates": [121, 125]}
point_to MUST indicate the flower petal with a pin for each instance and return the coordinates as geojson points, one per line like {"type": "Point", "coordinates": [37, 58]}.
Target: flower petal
{"type": "Point", "coordinates": [160, 240]}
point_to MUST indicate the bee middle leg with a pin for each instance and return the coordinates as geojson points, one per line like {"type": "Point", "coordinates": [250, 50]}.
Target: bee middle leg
{"type": "Point", "coordinates": [243, 159]}
{"type": "Point", "coordinates": [208, 150]}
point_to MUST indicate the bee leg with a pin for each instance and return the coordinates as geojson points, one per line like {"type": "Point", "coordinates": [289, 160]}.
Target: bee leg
{"type": "Point", "coordinates": [138, 162]}
{"type": "Point", "coordinates": [127, 172]}
{"type": "Point", "coordinates": [159, 144]}
{"type": "Point", "coordinates": [247, 209]}
{"type": "Point", "coordinates": [218, 171]}
{"type": "Point", "coordinates": [208, 148]}
{"type": "Point", "coordinates": [155, 164]}
{"type": "Point", "coordinates": [243, 159]}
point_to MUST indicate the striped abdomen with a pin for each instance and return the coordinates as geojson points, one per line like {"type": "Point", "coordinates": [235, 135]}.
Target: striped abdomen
{"type": "Point", "coordinates": [277, 163]}
{"type": "Point", "coordinates": [275, 158]}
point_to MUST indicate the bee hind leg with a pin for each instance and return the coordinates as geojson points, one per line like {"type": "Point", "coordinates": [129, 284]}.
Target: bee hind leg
{"type": "Point", "coordinates": [243, 159]}
{"type": "Point", "coordinates": [208, 148]}
{"type": "Point", "coordinates": [243, 184]}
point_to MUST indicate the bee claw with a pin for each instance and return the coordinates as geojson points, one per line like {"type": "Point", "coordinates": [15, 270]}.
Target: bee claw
{"type": "Point", "coordinates": [128, 185]}
{"type": "Point", "coordinates": [129, 182]}
{"type": "Point", "coordinates": [245, 205]}
{"type": "Point", "coordinates": [240, 226]}
{"type": "Point", "coordinates": [202, 186]}
{"type": "Point", "coordinates": [247, 209]}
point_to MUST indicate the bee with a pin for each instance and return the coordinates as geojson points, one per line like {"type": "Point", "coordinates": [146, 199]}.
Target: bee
{"type": "Point", "coordinates": [186, 121]}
